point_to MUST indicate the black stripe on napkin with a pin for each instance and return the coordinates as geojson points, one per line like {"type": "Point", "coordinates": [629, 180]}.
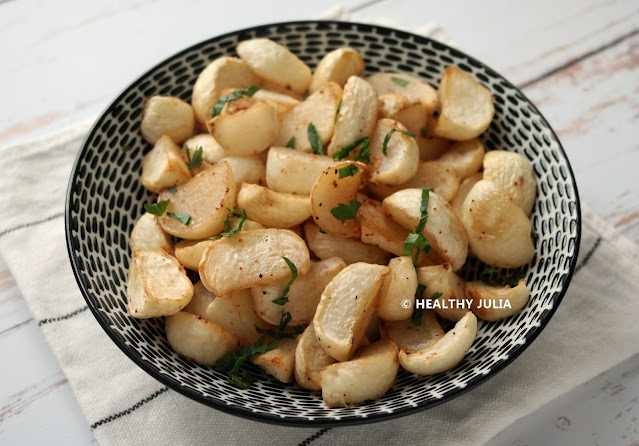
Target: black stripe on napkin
{"type": "Point", "coordinates": [31, 223]}
{"type": "Point", "coordinates": [130, 410]}
{"type": "Point", "coordinates": [588, 255]}
{"type": "Point", "coordinates": [314, 437]}
{"type": "Point", "coordinates": [62, 318]}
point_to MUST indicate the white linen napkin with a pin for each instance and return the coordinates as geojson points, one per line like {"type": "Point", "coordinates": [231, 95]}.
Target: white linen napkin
{"type": "Point", "coordinates": [594, 328]}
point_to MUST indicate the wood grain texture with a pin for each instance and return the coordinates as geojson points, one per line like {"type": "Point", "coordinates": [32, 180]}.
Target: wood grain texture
{"type": "Point", "coordinates": [20, 400]}
{"type": "Point", "coordinates": [603, 411]}
{"type": "Point", "coordinates": [594, 107]}
{"type": "Point", "coordinates": [521, 40]}
{"type": "Point", "coordinates": [59, 72]}
{"type": "Point", "coordinates": [54, 419]}
{"type": "Point", "coordinates": [37, 405]}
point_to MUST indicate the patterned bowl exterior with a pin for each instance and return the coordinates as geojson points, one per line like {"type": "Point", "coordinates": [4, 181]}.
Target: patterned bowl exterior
{"type": "Point", "coordinates": [105, 198]}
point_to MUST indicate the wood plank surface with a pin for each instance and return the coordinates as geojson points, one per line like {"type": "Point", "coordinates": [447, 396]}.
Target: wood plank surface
{"type": "Point", "coordinates": [604, 411]}
{"type": "Point", "coordinates": [38, 406]}
{"type": "Point", "coordinates": [69, 58]}
{"type": "Point", "coordinates": [593, 106]}
{"type": "Point", "coordinates": [524, 39]}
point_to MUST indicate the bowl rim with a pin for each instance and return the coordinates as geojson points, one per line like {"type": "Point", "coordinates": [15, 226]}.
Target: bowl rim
{"type": "Point", "coordinates": [175, 385]}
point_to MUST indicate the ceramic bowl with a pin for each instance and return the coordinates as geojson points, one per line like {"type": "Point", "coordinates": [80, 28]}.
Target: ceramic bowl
{"type": "Point", "coordinates": [105, 198]}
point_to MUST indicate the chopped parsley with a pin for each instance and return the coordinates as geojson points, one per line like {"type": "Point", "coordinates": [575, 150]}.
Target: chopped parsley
{"type": "Point", "coordinates": [348, 171]}
{"type": "Point", "coordinates": [416, 318]}
{"type": "Point", "coordinates": [240, 213]}
{"type": "Point", "coordinates": [314, 139]}
{"type": "Point", "coordinates": [194, 162]}
{"type": "Point", "coordinates": [234, 213]}
{"type": "Point", "coordinates": [418, 312]}
{"type": "Point", "coordinates": [339, 106]}
{"type": "Point", "coordinates": [346, 211]}
{"type": "Point", "coordinates": [493, 276]}
{"type": "Point", "coordinates": [513, 280]}
{"type": "Point", "coordinates": [172, 189]}
{"type": "Point", "coordinates": [388, 137]}
{"type": "Point", "coordinates": [533, 233]}
{"type": "Point", "coordinates": [250, 91]}
{"type": "Point", "coordinates": [281, 333]}
{"type": "Point", "coordinates": [416, 239]}
{"type": "Point", "coordinates": [291, 143]}
{"type": "Point", "coordinates": [346, 150]}
{"type": "Point", "coordinates": [283, 299]}
{"type": "Point", "coordinates": [185, 219]}
{"type": "Point", "coordinates": [363, 154]}
{"type": "Point", "coordinates": [126, 148]}
{"type": "Point", "coordinates": [399, 81]}
{"type": "Point", "coordinates": [233, 361]}
{"type": "Point", "coordinates": [157, 208]}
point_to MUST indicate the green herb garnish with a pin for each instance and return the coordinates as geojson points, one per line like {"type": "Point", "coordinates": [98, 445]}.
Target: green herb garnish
{"type": "Point", "coordinates": [281, 333]}
{"type": "Point", "coordinates": [346, 150]}
{"type": "Point", "coordinates": [492, 276]}
{"type": "Point", "coordinates": [363, 154]}
{"type": "Point", "coordinates": [416, 239]}
{"type": "Point", "coordinates": [172, 189]}
{"type": "Point", "coordinates": [185, 219]}
{"type": "Point", "coordinates": [424, 132]}
{"type": "Point", "coordinates": [126, 148]}
{"type": "Point", "coordinates": [489, 276]}
{"type": "Point", "coordinates": [533, 233]}
{"type": "Point", "coordinates": [339, 106]}
{"type": "Point", "coordinates": [234, 213]}
{"type": "Point", "coordinates": [291, 143]}
{"type": "Point", "coordinates": [513, 279]}
{"type": "Point", "coordinates": [284, 320]}
{"type": "Point", "coordinates": [227, 229]}
{"type": "Point", "coordinates": [157, 208]}
{"type": "Point", "coordinates": [418, 312]}
{"type": "Point", "coordinates": [233, 361]}
{"type": "Point", "coordinates": [316, 142]}
{"type": "Point", "coordinates": [283, 299]}
{"type": "Point", "coordinates": [321, 231]}
{"type": "Point", "coordinates": [348, 171]}
{"type": "Point", "coordinates": [399, 81]}
{"type": "Point", "coordinates": [388, 137]}
{"type": "Point", "coordinates": [250, 91]}
{"type": "Point", "coordinates": [196, 161]}
{"type": "Point", "coordinates": [346, 211]}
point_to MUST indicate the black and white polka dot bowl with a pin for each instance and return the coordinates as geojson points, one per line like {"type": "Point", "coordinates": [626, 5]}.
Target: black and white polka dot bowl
{"type": "Point", "coordinates": [105, 198]}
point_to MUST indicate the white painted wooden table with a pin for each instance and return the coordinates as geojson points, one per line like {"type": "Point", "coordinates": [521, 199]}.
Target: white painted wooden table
{"type": "Point", "coordinates": [577, 60]}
